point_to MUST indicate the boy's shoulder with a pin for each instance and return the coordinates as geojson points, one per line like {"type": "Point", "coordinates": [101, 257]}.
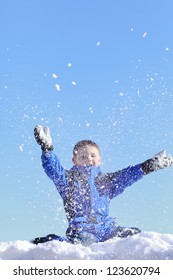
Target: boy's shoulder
{"type": "Point", "coordinates": [108, 176]}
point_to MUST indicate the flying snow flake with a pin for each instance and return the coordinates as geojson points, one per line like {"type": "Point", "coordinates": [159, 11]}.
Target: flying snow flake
{"type": "Point", "coordinates": [144, 35]}
{"type": "Point", "coordinates": [55, 76]}
{"type": "Point", "coordinates": [69, 65]}
{"type": "Point", "coordinates": [98, 44]}
{"type": "Point", "coordinates": [57, 87]}
{"type": "Point", "coordinates": [167, 49]}
{"type": "Point", "coordinates": [73, 83]}
{"type": "Point", "coordinates": [60, 119]}
{"type": "Point", "coordinates": [131, 29]}
{"type": "Point", "coordinates": [121, 93]}
{"type": "Point", "coordinates": [91, 110]}
{"type": "Point", "coordinates": [87, 124]}
{"type": "Point", "coordinates": [21, 147]}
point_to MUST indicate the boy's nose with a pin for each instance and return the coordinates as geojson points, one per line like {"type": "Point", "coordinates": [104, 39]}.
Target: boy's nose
{"type": "Point", "coordinates": [90, 160]}
{"type": "Point", "coordinates": [89, 157]}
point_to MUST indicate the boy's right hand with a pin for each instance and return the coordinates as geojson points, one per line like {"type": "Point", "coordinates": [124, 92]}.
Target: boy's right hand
{"type": "Point", "coordinates": [43, 137]}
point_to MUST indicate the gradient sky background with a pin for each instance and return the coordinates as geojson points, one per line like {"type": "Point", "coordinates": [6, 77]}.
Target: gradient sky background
{"type": "Point", "coordinates": [112, 61]}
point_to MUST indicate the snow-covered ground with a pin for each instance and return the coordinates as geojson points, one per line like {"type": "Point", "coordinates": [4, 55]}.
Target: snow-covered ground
{"type": "Point", "coordinates": [143, 246]}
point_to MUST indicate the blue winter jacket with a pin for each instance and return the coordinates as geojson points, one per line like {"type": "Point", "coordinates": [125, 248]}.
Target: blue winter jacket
{"type": "Point", "coordinates": [86, 194]}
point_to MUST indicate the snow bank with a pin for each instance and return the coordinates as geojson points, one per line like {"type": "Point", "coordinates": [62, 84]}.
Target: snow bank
{"type": "Point", "coordinates": [143, 246]}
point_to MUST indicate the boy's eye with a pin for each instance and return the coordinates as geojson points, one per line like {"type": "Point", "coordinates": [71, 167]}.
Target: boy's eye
{"type": "Point", "coordinates": [83, 156]}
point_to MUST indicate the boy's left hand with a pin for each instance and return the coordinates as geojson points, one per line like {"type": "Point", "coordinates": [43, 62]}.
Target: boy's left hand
{"type": "Point", "coordinates": [159, 161]}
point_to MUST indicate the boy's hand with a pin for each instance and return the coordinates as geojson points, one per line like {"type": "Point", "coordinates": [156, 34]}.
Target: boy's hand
{"type": "Point", "coordinates": [159, 161]}
{"type": "Point", "coordinates": [43, 137]}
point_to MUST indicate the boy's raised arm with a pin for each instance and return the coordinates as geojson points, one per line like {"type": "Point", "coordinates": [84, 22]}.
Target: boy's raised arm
{"type": "Point", "coordinates": [50, 161]}
{"type": "Point", "coordinates": [115, 183]}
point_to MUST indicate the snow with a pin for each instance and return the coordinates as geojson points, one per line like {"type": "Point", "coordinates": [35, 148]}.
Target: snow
{"type": "Point", "coordinates": [21, 147]}
{"type": "Point", "coordinates": [98, 44]}
{"type": "Point", "coordinates": [73, 83]}
{"type": "Point", "coordinates": [144, 35]}
{"type": "Point", "coordinates": [142, 246]}
{"type": "Point", "coordinates": [57, 87]}
{"type": "Point", "coordinates": [55, 76]}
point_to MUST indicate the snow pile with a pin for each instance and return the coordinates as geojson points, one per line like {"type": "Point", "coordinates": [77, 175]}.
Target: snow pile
{"type": "Point", "coordinates": [143, 246]}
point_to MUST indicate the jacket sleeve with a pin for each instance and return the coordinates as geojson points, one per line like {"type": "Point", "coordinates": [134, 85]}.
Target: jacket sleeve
{"type": "Point", "coordinates": [55, 171]}
{"type": "Point", "coordinates": [113, 184]}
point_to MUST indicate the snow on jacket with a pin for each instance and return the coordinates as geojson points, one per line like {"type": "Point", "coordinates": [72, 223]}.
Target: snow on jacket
{"type": "Point", "coordinates": [86, 191]}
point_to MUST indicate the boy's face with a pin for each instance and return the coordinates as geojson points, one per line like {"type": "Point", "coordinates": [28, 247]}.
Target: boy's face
{"type": "Point", "coordinates": [86, 156]}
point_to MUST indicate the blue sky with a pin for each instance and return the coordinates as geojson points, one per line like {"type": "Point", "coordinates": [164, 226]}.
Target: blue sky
{"type": "Point", "coordinates": [112, 61]}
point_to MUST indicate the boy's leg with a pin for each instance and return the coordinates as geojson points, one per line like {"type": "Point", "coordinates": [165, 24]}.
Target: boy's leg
{"type": "Point", "coordinates": [123, 232]}
{"type": "Point", "coordinates": [47, 238]}
{"type": "Point", "coordinates": [83, 237]}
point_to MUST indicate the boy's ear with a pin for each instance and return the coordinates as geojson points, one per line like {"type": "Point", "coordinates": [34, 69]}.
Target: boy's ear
{"type": "Point", "coordinates": [73, 160]}
{"type": "Point", "coordinates": [100, 159]}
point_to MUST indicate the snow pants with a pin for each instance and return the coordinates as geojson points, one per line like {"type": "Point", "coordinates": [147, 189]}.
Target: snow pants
{"type": "Point", "coordinates": [87, 237]}
{"type": "Point", "coordinates": [95, 235]}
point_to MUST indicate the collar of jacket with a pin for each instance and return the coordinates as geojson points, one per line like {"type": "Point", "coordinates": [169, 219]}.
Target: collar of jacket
{"type": "Point", "coordinates": [86, 170]}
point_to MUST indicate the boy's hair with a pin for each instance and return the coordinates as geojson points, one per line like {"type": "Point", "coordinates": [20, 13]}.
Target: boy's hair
{"type": "Point", "coordinates": [83, 143]}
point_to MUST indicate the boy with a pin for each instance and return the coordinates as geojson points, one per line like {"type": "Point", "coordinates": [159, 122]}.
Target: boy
{"type": "Point", "coordinates": [86, 191]}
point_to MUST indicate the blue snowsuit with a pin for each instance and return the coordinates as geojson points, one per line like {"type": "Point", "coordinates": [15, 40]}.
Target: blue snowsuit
{"type": "Point", "coordinates": [86, 193]}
